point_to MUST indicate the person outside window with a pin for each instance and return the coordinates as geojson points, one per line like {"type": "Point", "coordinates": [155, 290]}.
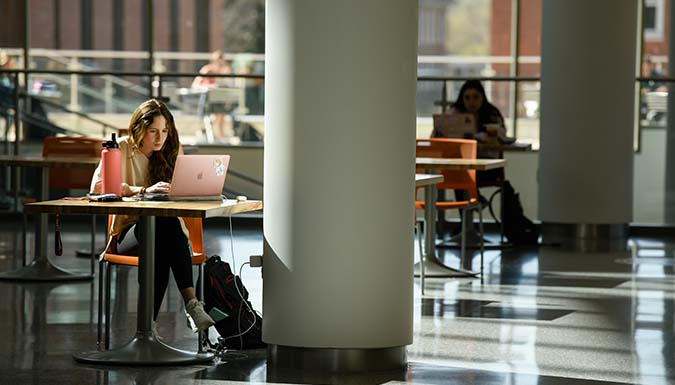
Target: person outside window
{"type": "Point", "coordinates": [217, 65]}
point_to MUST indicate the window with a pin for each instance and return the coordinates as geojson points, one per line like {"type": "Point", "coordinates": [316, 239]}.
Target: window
{"type": "Point", "coordinates": [653, 14]}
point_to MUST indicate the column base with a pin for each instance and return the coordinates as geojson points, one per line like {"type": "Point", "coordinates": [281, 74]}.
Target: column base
{"type": "Point", "coordinates": [585, 236]}
{"type": "Point", "coordinates": [336, 360]}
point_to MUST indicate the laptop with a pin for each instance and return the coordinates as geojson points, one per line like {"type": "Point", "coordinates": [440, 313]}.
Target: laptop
{"type": "Point", "coordinates": [195, 177]}
{"type": "Point", "coordinates": [457, 125]}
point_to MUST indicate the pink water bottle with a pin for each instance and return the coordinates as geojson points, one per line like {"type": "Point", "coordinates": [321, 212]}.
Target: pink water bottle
{"type": "Point", "coordinates": [111, 167]}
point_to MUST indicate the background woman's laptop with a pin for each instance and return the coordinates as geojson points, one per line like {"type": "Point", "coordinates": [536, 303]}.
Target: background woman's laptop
{"type": "Point", "coordinates": [196, 177]}
{"type": "Point", "coordinates": [455, 125]}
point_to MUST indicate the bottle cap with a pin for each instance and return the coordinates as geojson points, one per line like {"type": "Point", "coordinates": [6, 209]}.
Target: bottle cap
{"type": "Point", "coordinates": [111, 143]}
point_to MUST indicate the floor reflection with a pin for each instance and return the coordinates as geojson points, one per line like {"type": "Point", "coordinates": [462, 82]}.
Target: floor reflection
{"type": "Point", "coordinates": [542, 316]}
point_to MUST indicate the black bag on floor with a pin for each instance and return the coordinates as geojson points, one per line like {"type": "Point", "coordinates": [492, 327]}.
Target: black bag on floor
{"type": "Point", "coordinates": [518, 229]}
{"type": "Point", "coordinates": [220, 292]}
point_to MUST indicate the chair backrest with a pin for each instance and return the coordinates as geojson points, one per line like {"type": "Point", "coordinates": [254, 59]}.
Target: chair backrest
{"type": "Point", "coordinates": [76, 147]}
{"type": "Point", "coordinates": [451, 148]}
{"type": "Point", "coordinates": [194, 227]}
{"type": "Point", "coordinates": [224, 95]}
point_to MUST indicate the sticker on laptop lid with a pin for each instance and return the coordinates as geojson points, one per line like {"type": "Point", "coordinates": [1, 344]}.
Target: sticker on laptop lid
{"type": "Point", "coordinates": [218, 167]}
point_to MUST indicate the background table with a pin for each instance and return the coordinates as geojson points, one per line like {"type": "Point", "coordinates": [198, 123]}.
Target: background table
{"type": "Point", "coordinates": [501, 147]}
{"type": "Point", "coordinates": [429, 182]}
{"type": "Point", "coordinates": [144, 348]}
{"type": "Point", "coordinates": [432, 266]}
{"type": "Point", "coordinates": [41, 269]}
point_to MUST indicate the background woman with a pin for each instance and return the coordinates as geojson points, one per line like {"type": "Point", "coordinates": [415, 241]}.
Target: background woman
{"type": "Point", "coordinates": [472, 100]}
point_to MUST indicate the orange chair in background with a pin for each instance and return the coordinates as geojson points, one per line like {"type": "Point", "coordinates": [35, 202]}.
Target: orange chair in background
{"type": "Point", "coordinates": [455, 180]}
{"type": "Point", "coordinates": [72, 147]}
{"type": "Point", "coordinates": [74, 178]}
{"type": "Point", "coordinates": [196, 237]}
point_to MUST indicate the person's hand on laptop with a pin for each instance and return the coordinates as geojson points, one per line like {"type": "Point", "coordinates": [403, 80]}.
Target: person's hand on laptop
{"type": "Point", "coordinates": [159, 187]}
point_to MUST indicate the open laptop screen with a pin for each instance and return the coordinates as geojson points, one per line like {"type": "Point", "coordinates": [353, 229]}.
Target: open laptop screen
{"type": "Point", "coordinates": [196, 177]}
{"type": "Point", "coordinates": [455, 125]}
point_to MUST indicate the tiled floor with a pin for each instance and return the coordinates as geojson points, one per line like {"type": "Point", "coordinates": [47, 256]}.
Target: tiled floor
{"type": "Point", "coordinates": [542, 316]}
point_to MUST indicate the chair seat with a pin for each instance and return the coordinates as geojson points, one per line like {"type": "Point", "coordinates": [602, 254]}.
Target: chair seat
{"type": "Point", "coordinates": [132, 260]}
{"type": "Point", "coordinates": [448, 205]}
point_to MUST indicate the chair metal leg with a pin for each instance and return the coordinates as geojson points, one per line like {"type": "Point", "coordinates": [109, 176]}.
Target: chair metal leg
{"type": "Point", "coordinates": [418, 229]}
{"type": "Point", "coordinates": [108, 270]}
{"type": "Point", "coordinates": [501, 211]}
{"type": "Point", "coordinates": [24, 248]}
{"type": "Point", "coordinates": [99, 330]}
{"type": "Point", "coordinates": [482, 236]}
{"type": "Point", "coordinates": [93, 243]}
{"type": "Point", "coordinates": [462, 255]}
{"type": "Point", "coordinates": [200, 297]}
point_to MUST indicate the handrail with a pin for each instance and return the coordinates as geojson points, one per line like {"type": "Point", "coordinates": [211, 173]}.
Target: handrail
{"type": "Point", "coordinates": [86, 90]}
{"type": "Point", "coordinates": [134, 73]}
{"type": "Point", "coordinates": [122, 54]}
{"type": "Point", "coordinates": [666, 79]}
{"type": "Point", "coordinates": [244, 177]}
{"type": "Point", "coordinates": [64, 60]}
{"type": "Point", "coordinates": [65, 109]}
{"type": "Point", "coordinates": [32, 118]}
{"type": "Point", "coordinates": [481, 78]}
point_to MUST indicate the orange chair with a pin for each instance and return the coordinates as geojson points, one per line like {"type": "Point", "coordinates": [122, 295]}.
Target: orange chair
{"type": "Point", "coordinates": [455, 180]}
{"type": "Point", "coordinates": [73, 178]}
{"type": "Point", "coordinates": [194, 226]}
{"type": "Point", "coordinates": [72, 147]}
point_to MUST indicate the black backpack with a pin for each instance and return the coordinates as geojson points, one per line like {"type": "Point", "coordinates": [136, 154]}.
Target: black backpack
{"type": "Point", "coordinates": [518, 229]}
{"type": "Point", "coordinates": [220, 292]}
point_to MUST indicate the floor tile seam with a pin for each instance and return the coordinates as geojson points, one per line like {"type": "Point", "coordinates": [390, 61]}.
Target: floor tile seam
{"type": "Point", "coordinates": [592, 345]}
{"type": "Point", "coordinates": [563, 373]}
{"type": "Point", "coordinates": [520, 322]}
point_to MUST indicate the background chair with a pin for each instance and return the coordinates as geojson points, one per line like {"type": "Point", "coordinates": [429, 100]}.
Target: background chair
{"type": "Point", "coordinates": [74, 178]}
{"type": "Point", "coordinates": [492, 178]}
{"type": "Point", "coordinates": [194, 226]}
{"type": "Point", "coordinates": [455, 180]}
{"type": "Point", "coordinates": [220, 101]}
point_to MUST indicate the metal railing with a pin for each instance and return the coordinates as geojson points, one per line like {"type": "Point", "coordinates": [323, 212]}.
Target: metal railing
{"type": "Point", "coordinates": [158, 80]}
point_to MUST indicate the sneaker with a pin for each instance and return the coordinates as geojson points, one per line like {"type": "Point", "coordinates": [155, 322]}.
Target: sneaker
{"type": "Point", "coordinates": [196, 311]}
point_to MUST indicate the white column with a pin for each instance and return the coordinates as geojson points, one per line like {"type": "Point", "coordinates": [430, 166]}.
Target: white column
{"type": "Point", "coordinates": [669, 177]}
{"type": "Point", "coordinates": [339, 173]}
{"type": "Point", "coordinates": [587, 107]}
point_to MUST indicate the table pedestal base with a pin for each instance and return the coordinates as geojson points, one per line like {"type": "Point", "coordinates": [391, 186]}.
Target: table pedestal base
{"type": "Point", "coordinates": [434, 269]}
{"type": "Point", "coordinates": [42, 270]}
{"type": "Point", "coordinates": [143, 350]}
{"type": "Point", "coordinates": [472, 242]}
{"type": "Point", "coordinates": [83, 253]}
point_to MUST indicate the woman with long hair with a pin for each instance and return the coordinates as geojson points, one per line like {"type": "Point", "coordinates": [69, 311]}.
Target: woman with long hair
{"type": "Point", "coordinates": [148, 158]}
{"type": "Point", "coordinates": [472, 100]}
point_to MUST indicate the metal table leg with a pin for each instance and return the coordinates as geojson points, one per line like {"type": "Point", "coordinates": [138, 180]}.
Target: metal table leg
{"type": "Point", "coordinates": [432, 266]}
{"type": "Point", "coordinates": [41, 269]}
{"type": "Point", "coordinates": [145, 348]}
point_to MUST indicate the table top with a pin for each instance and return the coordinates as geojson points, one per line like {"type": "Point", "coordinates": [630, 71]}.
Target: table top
{"type": "Point", "coordinates": [460, 164]}
{"type": "Point", "coordinates": [200, 209]}
{"type": "Point", "coordinates": [499, 147]}
{"type": "Point", "coordinates": [427, 179]}
{"type": "Point", "coordinates": [48, 161]}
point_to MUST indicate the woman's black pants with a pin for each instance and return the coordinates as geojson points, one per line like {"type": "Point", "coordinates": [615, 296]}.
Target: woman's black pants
{"type": "Point", "coordinates": [172, 252]}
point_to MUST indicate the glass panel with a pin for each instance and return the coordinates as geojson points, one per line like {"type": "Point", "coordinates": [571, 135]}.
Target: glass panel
{"type": "Point", "coordinates": [654, 189]}
{"type": "Point", "coordinates": [529, 44]}
{"type": "Point", "coordinates": [461, 38]}
{"type": "Point", "coordinates": [89, 35]}
{"type": "Point", "coordinates": [528, 113]}
{"type": "Point", "coordinates": [215, 37]}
